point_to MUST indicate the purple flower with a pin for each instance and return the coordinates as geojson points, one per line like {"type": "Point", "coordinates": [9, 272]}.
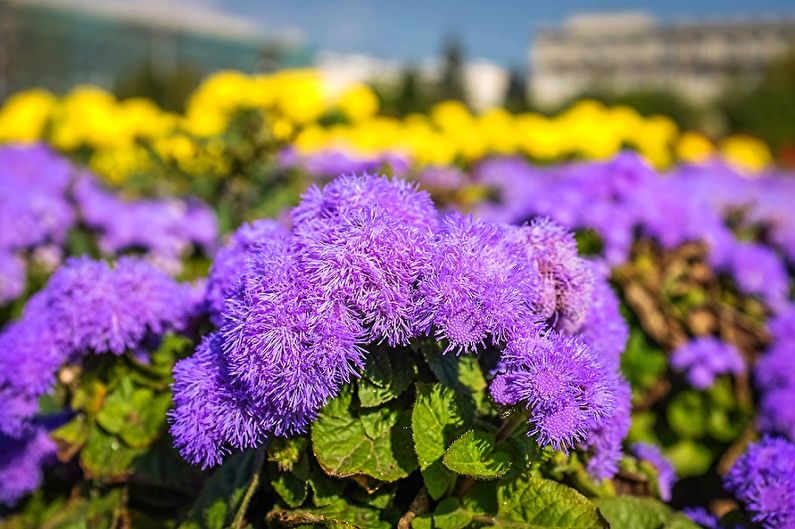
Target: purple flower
{"type": "Point", "coordinates": [230, 262]}
{"type": "Point", "coordinates": [400, 199]}
{"type": "Point", "coordinates": [775, 377]}
{"type": "Point", "coordinates": [371, 262]}
{"type": "Point", "coordinates": [604, 442]}
{"type": "Point", "coordinates": [605, 329]}
{"type": "Point", "coordinates": [478, 285]}
{"type": "Point", "coordinates": [666, 475]}
{"type": "Point", "coordinates": [758, 270]}
{"type": "Point", "coordinates": [210, 415]}
{"type": "Point", "coordinates": [566, 279]}
{"type": "Point", "coordinates": [21, 463]}
{"type": "Point", "coordinates": [562, 383]}
{"type": "Point", "coordinates": [13, 277]}
{"type": "Point", "coordinates": [705, 358]}
{"type": "Point", "coordinates": [763, 479]}
{"type": "Point", "coordinates": [701, 516]}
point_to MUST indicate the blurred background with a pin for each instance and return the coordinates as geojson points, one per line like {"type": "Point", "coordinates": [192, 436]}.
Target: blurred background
{"type": "Point", "coordinates": [719, 67]}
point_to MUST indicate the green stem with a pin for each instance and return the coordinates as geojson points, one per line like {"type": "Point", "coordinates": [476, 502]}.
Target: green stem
{"type": "Point", "coordinates": [240, 516]}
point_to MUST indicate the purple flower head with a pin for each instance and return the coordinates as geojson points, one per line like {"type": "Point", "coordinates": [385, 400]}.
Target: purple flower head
{"type": "Point", "coordinates": [705, 358]}
{"type": "Point", "coordinates": [605, 329]}
{"type": "Point", "coordinates": [562, 383]}
{"type": "Point", "coordinates": [758, 270]}
{"type": "Point", "coordinates": [93, 307]}
{"type": "Point", "coordinates": [285, 344]}
{"type": "Point", "coordinates": [210, 415]}
{"type": "Point", "coordinates": [442, 178]}
{"type": "Point", "coordinates": [13, 277]}
{"type": "Point", "coordinates": [604, 442]}
{"type": "Point", "coordinates": [478, 285]}
{"type": "Point", "coordinates": [371, 262]}
{"type": "Point", "coordinates": [33, 206]}
{"type": "Point", "coordinates": [400, 199]}
{"type": "Point", "coordinates": [566, 278]}
{"type": "Point", "coordinates": [775, 377]}
{"type": "Point", "coordinates": [666, 475]}
{"type": "Point", "coordinates": [230, 262]}
{"type": "Point", "coordinates": [763, 479]}
{"type": "Point", "coordinates": [21, 463]}
{"type": "Point", "coordinates": [701, 516]}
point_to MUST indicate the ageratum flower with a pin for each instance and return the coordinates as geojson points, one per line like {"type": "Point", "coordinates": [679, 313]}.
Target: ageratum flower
{"type": "Point", "coordinates": [477, 285]}
{"type": "Point", "coordinates": [12, 277]}
{"type": "Point", "coordinates": [230, 262]}
{"type": "Point", "coordinates": [371, 262]}
{"type": "Point", "coordinates": [763, 479]}
{"type": "Point", "coordinates": [705, 358]}
{"type": "Point", "coordinates": [288, 346]}
{"type": "Point", "coordinates": [775, 377]}
{"type": "Point", "coordinates": [605, 329]}
{"type": "Point", "coordinates": [758, 270]}
{"type": "Point", "coordinates": [666, 475]}
{"type": "Point", "coordinates": [400, 199]}
{"type": "Point", "coordinates": [562, 383]}
{"type": "Point", "coordinates": [566, 279]}
{"type": "Point", "coordinates": [604, 442]}
{"type": "Point", "coordinates": [21, 463]}
{"type": "Point", "coordinates": [210, 415]}
{"type": "Point", "coordinates": [86, 307]}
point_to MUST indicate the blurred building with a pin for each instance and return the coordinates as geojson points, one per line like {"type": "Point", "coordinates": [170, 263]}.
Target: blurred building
{"type": "Point", "coordinates": [629, 51]}
{"type": "Point", "coordinates": [57, 44]}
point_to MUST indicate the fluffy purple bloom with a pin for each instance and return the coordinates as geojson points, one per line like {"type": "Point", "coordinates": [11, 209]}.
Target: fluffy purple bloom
{"type": "Point", "coordinates": [566, 284]}
{"type": "Point", "coordinates": [775, 377]}
{"type": "Point", "coordinates": [13, 277]}
{"type": "Point", "coordinates": [92, 306]}
{"type": "Point", "coordinates": [478, 285]}
{"type": "Point", "coordinates": [701, 516]}
{"type": "Point", "coordinates": [562, 383]}
{"type": "Point", "coordinates": [703, 359]}
{"type": "Point", "coordinates": [286, 344]}
{"type": "Point", "coordinates": [758, 270]}
{"type": "Point", "coordinates": [230, 261]}
{"type": "Point", "coordinates": [400, 199]}
{"type": "Point", "coordinates": [666, 475]}
{"type": "Point", "coordinates": [173, 227]}
{"type": "Point", "coordinates": [371, 262]}
{"type": "Point", "coordinates": [21, 463]}
{"type": "Point", "coordinates": [210, 415]}
{"type": "Point", "coordinates": [604, 442]}
{"type": "Point", "coordinates": [763, 479]}
{"type": "Point", "coordinates": [34, 208]}
{"type": "Point", "coordinates": [605, 329]}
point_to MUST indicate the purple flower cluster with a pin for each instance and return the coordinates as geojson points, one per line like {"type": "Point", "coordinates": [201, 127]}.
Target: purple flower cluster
{"type": "Point", "coordinates": [625, 197]}
{"type": "Point", "coordinates": [21, 463]}
{"type": "Point", "coordinates": [763, 479]}
{"type": "Point", "coordinates": [368, 260]}
{"type": "Point", "coordinates": [34, 211]}
{"type": "Point", "coordinates": [86, 307]}
{"type": "Point", "coordinates": [666, 475]}
{"type": "Point", "coordinates": [705, 358]}
{"type": "Point", "coordinates": [775, 376]}
{"type": "Point", "coordinates": [166, 230]}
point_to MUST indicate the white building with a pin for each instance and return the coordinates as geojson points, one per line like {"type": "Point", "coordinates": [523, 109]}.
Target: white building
{"type": "Point", "coordinates": [631, 50]}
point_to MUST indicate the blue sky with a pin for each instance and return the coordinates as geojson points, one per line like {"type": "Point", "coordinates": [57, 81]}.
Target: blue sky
{"type": "Point", "coordinates": [498, 30]}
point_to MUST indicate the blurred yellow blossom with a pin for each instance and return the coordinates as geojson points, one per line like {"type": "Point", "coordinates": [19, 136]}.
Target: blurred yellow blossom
{"type": "Point", "coordinates": [24, 116]}
{"type": "Point", "coordinates": [694, 147]}
{"type": "Point", "coordinates": [746, 152]}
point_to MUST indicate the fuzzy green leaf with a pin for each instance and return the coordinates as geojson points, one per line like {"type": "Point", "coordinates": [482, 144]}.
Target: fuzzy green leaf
{"type": "Point", "coordinates": [449, 514]}
{"type": "Point", "coordinates": [337, 515]}
{"type": "Point", "coordinates": [628, 512]}
{"type": "Point", "coordinates": [105, 457]}
{"type": "Point", "coordinates": [387, 374]}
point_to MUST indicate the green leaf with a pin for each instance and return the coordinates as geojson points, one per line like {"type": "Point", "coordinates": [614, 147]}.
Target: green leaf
{"type": "Point", "coordinates": [387, 374]}
{"type": "Point", "coordinates": [325, 489]}
{"type": "Point", "coordinates": [105, 457]}
{"type": "Point", "coordinates": [529, 502]}
{"type": "Point", "coordinates": [688, 414]}
{"type": "Point", "coordinates": [372, 442]}
{"type": "Point", "coordinates": [292, 490]}
{"type": "Point", "coordinates": [438, 417]}
{"type": "Point", "coordinates": [223, 493]}
{"type": "Point", "coordinates": [689, 458]}
{"type": "Point", "coordinates": [286, 452]}
{"type": "Point", "coordinates": [471, 376]}
{"type": "Point", "coordinates": [338, 515]}
{"type": "Point", "coordinates": [629, 512]}
{"type": "Point", "coordinates": [71, 437]}
{"type": "Point", "coordinates": [475, 454]}
{"type": "Point", "coordinates": [449, 514]}
{"type": "Point", "coordinates": [137, 415]}
{"type": "Point", "coordinates": [642, 363]}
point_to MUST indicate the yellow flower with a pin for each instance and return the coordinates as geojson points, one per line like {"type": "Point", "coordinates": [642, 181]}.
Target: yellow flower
{"type": "Point", "coordinates": [358, 102]}
{"type": "Point", "coordinates": [24, 116]}
{"type": "Point", "coordinates": [746, 152]}
{"type": "Point", "coordinates": [694, 147]}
